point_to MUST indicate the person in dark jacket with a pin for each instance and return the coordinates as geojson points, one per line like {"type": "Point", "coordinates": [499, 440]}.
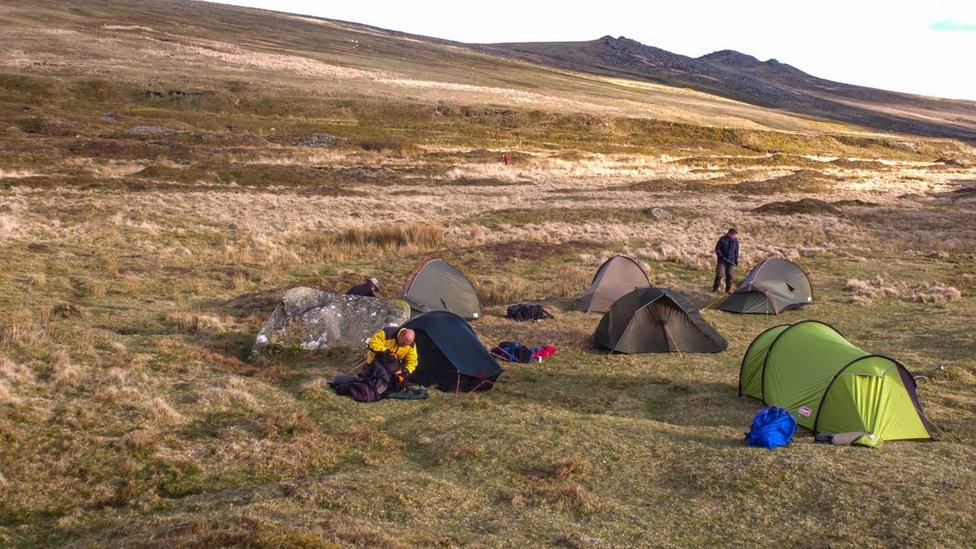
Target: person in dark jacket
{"type": "Point", "coordinates": [366, 289]}
{"type": "Point", "coordinates": [727, 255]}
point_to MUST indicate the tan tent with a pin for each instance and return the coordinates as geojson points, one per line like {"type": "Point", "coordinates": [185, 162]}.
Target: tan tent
{"type": "Point", "coordinates": [438, 286]}
{"type": "Point", "coordinates": [617, 277]}
{"type": "Point", "coordinates": [771, 287]}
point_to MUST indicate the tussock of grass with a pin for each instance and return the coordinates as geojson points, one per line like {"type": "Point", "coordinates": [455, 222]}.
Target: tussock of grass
{"type": "Point", "coordinates": [559, 280]}
{"type": "Point", "coordinates": [389, 237]}
{"type": "Point", "coordinates": [803, 181]}
{"type": "Point", "coordinates": [539, 216]}
{"type": "Point", "coordinates": [503, 290]}
{"type": "Point", "coordinates": [878, 288]}
{"type": "Point", "coordinates": [192, 323]}
{"type": "Point", "coordinates": [811, 206]}
{"type": "Point", "coordinates": [387, 144]}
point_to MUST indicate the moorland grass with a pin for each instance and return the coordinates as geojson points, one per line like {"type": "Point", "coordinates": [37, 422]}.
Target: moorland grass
{"type": "Point", "coordinates": [135, 270]}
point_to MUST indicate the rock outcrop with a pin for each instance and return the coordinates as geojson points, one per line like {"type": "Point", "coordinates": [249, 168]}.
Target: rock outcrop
{"type": "Point", "coordinates": [322, 140]}
{"type": "Point", "coordinates": [310, 319]}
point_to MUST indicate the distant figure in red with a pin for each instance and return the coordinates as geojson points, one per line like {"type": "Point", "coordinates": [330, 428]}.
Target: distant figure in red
{"type": "Point", "coordinates": [506, 159]}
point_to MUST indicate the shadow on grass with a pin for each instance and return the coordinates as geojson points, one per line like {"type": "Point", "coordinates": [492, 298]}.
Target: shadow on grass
{"type": "Point", "coordinates": [655, 398]}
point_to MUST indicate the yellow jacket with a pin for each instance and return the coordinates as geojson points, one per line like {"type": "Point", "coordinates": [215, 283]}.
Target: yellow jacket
{"type": "Point", "coordinates": [385, 341]}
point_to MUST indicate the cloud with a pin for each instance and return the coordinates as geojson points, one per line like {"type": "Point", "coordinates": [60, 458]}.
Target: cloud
{"type": "Point", "coordinates": [952, 25]}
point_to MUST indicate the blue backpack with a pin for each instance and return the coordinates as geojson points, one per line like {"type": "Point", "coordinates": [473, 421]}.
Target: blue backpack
{"type": "Point", "coordinates": [771, 428]}
{"type": "Point", "coordinates": [512, 351]}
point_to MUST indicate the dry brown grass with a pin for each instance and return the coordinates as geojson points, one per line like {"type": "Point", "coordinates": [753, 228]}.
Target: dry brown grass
{"type": "Point", "coordinates": [135, 271]}
{"type": "Point", "coordinates": [192, 323]}
{"type": "Point", "coordinates": [810, 206]}
{"type": "Point", "coordinates": [394, 236]}
{"type": "Point", "coordinates": [25, 329]}
{"type": "Point", "coordinates": [878, 288]}
{"type": "Point", "coordinates": [803, 181]}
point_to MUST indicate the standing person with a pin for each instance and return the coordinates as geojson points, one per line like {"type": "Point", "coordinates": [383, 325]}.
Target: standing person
{"type": "Point", "coordinates": [366, 289]}
{"type": "Point", "coordinates": [727, 255]}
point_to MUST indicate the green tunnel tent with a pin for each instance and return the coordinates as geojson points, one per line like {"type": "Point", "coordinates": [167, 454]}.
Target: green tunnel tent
{"type": "Point", "coordinates": [617, 277]}
{"type": "Point", "coordinates": [832, 386]}
{"type": "Point", "coordinates": [657, 320]}
{"type": "Point", "coordinates": [771, 287]}
{"type": "Point", "coordinates": [439, 286]}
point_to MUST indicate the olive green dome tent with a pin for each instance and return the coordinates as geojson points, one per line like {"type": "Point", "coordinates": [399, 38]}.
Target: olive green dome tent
{"type": "Point", "coordinates": [832, 386]}
{"type": "Point", "coordinates": [771, 287]}
{"type": "Point", "coordinates": [617, 276]}
{"type": "Point", "coordinates": [439, 286]}
{"type": "Point", "coordinates": [657, 320]}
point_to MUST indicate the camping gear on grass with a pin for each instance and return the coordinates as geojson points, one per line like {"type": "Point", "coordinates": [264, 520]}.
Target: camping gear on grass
{"type": "Point", "coordinates": [543, 352]}
{"type": "Point", "coordinates": [839, 439]}
{"type": "Point", "coordinates": [772, 427]}
{"type": "Point", "coordinates": [377, 379]}
{"type": "Point", "coordinates": [513, 351]}
{"type": "Point", "coordinates": [657, 320]}
{"type": "Point", "coordinates": [439, 286]}
{"type": "Point", "coordinates": [617, 276]}
{"type": "Point", "coordinates": [451, 356]}
{"type": "Point", "coordinates": [771, 287]}
{"type": "Point", "coordinates": [408, 394]}
{"type": "Point", "coordinates": [527, 311]}
{"type": "Point", "coordinates": [832, 386]}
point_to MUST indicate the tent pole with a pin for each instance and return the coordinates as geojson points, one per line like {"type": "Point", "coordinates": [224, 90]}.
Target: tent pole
{"type": "Point", "coordinates": [667, 334]}
{"type": "Point", "coordinates": [360, 364]}
{"type": "Point", "coordinates": [457, 388]}
{"type": "Point", "coordinates": [733, 338]}
{"type": "Point", "coordinates": [579, 341]}
{"type": "Point", "coordinates": [714, 301]}
{"type": "Point", "coordinates": [478, 386]}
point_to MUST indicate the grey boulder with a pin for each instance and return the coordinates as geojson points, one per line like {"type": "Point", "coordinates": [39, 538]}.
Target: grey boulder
{"type": "Point", "coordinates": [311, 319]}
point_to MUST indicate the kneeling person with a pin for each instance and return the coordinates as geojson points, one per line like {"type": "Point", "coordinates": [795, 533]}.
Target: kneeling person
{"type": "Point", "coordinates": [394, 343]}
{"type": "Point", "coordinates": [368, 288]}
{"type": "Point", "coordinates": [391, 357]}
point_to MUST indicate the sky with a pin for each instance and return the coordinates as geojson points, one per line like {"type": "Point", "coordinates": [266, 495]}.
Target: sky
{"type": "Point", "coordinates": [922, 46]}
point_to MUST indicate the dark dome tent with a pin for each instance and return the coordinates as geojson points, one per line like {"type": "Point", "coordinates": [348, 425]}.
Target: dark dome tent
{"type": "Point", "coordinates": [439, 286]}
{"type": "Point", "coordinates": [617, 276]}
{"type": "Point", "coordinates": [832, 386]}
{"type": "Point", "coordinates": [771, 287]}
{"type": "Point", "coordinates": [451, 357]}
{"type": "Point", "coordinates": [657, 320]}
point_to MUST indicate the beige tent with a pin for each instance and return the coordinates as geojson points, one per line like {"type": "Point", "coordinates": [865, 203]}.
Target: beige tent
{"type": "Point", "coordinates": [617, 277]}
{"type": "Point", "coordinates": [439, 286]}
{"type": "Point", "coordinates": [771, 287]}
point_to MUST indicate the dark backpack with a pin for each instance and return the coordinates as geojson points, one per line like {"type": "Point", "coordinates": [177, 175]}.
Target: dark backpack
{"type": "Point", "coordinates": [378, 378]}
{"type": "Point", "coordinates": [527, 311]}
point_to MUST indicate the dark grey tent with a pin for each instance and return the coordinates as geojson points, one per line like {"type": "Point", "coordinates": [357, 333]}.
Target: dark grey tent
{"type": "Point", "coordinates": [438, 286]}
{"type": "Point", "coordinates": [772, 286]}
{"type": "Point", "coordinates": [617, 276]}
{"type": "Point", "coordinates": [451, 357]}
{"type": "Point", "coordinates": [657, 320]}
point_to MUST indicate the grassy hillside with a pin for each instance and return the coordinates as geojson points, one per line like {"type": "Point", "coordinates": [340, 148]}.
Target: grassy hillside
{"type": "Point", "coordinates": [168, 169]}
{"type": "Point", "coordinates": [769, 84]}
